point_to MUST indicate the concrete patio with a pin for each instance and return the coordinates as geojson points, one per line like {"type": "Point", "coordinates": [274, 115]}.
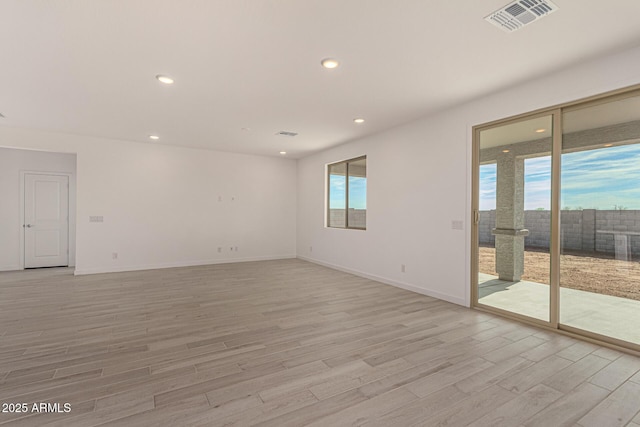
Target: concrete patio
{"type": "Point", "coordinates": [602, 314]}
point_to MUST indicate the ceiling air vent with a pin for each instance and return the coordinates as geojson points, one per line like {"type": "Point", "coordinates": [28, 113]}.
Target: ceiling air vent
{"type": "Point", "coordinates": [286, 133]}
{"type": "Point", "coordinates": [519, 13]}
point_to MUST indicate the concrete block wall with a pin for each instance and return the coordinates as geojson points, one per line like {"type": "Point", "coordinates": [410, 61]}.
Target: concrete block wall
{"type": "Point", "coordinates": [357, 218]}
{"type": "Point", "coordinates": [486, 223]}
{"type": "Point", "coordinates": [589, 230]}
{"type": "Point", "coordinates": [539, 225]}
{"type": "Point", "coordinates": [623, 221]}
{"type": "Point", "coordinates": [582, 230]}
{"type": "Point", "coordinates": [571, 231]}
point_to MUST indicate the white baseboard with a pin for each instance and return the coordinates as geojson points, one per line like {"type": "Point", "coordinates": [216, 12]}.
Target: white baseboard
{"type": "Point", "coordinates": [10, 268]}
{"type": "Point", "coordinates": [120, 269]}
{"type": "Point", "coordinates": [386, 281]}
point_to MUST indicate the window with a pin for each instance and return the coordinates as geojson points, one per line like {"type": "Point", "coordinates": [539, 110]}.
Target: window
{"type": "Point", "coordinates": [347, 195]}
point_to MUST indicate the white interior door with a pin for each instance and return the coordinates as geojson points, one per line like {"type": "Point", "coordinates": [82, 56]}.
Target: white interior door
{"type": "Point", "coordinates": [46, 220]}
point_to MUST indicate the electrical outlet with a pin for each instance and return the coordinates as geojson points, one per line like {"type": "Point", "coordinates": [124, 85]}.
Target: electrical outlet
{"type": "Point", "coordinates": [310, 248]}
{"type": "Point", "coordinates": [235, 248]}
{"type": "Point", "coordinates": [114, 255]}
{"type": "Point", "coordinates": [219, 249]}
{"type": "Point", "coordinates": [402, 269]}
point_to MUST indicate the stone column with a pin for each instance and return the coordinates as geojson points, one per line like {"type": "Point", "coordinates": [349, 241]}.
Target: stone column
{"type": "Point", "coordinates": [509, 229]}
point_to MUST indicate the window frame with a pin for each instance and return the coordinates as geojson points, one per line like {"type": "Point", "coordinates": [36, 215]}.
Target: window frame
{"type": "Point", "coordinates": [346, 196]}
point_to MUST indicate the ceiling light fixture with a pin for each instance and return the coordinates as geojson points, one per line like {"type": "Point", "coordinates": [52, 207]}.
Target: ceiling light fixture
{"type": "Point", "coordinates": [358, 121]}
{"type": "Point", "coordinates": [164, 79]}
{"type": "Point", "coordinates": [505, 151]}
{"type": "Point", "coordinates": [540, 130]}
{"type": "Point", "coordinates": [154, 137]}
{"type": "Point", "coordinates": [283, 152]}
{"type": "Point", "coordinates": [330, 63]}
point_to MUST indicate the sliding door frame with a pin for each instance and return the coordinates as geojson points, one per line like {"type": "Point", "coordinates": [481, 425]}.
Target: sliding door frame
{"type": "Point", "coordinates": [555, 242]}
{"type": "Point", "coordinates": [554, 246]}
{"type": "Point", "coordinates": [555, 224]}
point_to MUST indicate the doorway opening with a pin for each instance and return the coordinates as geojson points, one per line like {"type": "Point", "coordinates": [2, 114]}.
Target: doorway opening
{"type": "Point", "coordinates": [38, 213]}
{"type": "Point", "coordinates": [556, 235]}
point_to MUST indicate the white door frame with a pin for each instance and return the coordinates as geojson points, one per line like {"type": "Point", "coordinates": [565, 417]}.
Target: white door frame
{"type": "Point", "coordinates": [72, 213]}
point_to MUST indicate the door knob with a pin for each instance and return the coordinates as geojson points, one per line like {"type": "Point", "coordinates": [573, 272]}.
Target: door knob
{"type": "Point", "coordinates": [29, 225]}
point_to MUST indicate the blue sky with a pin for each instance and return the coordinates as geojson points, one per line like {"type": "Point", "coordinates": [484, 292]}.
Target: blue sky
{"type": "Point", "coordinates": [357, 192]}
{"type": "Point", "coordinates": [595, 179]}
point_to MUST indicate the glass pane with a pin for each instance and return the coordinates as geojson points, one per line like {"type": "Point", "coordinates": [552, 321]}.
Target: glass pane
{"type": "Point", "coordinates": [358, 194]}
{"type": "Point", "coordinates": [600, 219]}
{"type": "Point", "coordinates": [337, 195]}
{"type": "Point", "coordinates": [515, 219]}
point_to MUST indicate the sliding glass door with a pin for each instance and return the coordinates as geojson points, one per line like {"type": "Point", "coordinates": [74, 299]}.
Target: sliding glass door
{"type": "Point", "coordinates": [600, 219]}
{"type": "Point", "coordinates": [556, 234]}
{"type": "Point", "coordinates": [514, 217]}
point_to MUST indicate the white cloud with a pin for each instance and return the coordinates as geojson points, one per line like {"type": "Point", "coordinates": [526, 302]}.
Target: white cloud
{"type": "Point", "coordinates": [597, 179]}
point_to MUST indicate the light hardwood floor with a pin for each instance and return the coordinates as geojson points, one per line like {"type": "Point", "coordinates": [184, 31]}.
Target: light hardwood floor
{"type": "Point", "coordinates": [288, 343]}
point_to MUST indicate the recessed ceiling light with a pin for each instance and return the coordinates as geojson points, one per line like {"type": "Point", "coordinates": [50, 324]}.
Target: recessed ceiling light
{"type": "Point", "coordinates": [330, 63]}
{"type": "Point", "coordinates": [154, 137]}
{"type": "Point", "coordinates": [164, 79]}
{"type": "Point", "coordinates": [283, 152]}
{"type": "Point", "coordinates": [505, 151]}
{"type": "Point", "coordinates": [358, 121]}
{"type": "Point", "coordinates": [540, 130]}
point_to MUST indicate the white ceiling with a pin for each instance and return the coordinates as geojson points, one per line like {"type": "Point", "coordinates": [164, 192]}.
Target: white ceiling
{"type": "Point", "coordinates": [525, 130]}
{"type": "Point", "coordinates": [88, 67]}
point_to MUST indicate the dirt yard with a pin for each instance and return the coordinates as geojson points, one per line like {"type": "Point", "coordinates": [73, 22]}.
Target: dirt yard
{"type": "Point", "coordinates": [599, 275]}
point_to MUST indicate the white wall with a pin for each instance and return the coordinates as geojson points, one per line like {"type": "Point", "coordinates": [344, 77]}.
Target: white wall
{"type": "Point", "coordinates": [419, 181]}
{"type": "Point", "coordinates": [12, 163]}
{"type": "Point", "coordinates": [161, 204]}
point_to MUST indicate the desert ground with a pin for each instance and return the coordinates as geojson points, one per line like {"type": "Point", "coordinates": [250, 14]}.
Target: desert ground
{"type": "Point", "coordinates": [602, 275]}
